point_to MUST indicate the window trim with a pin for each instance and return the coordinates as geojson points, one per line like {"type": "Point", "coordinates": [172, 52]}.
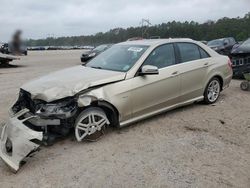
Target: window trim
{"type": "Point", "coordinates": [198, 46]}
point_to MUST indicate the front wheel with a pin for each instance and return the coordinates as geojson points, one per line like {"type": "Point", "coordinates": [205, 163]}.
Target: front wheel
{"type": "Point", "coordinates": [90, 124]}
{"type": "Point", "coordinates": [212, 91]}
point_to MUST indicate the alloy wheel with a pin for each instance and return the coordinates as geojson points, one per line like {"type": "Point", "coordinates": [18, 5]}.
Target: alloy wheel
{"type": "Point", "coordinates": [213, 91]}
{"type": "Point", "coordinates": [90, 123]}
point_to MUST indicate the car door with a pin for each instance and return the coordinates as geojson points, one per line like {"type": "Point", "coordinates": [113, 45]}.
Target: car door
{"type": "Point", "coordinates": [156, 92]}
{"type": "Point", "coordinates": [195, 62]}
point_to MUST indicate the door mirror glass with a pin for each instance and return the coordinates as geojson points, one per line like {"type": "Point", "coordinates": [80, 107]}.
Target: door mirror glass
{"type": "Point", "coordinates": [149, 69]}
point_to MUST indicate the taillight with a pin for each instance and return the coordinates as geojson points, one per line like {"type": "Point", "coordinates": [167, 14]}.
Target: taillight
{"type": "Point", "coordinates": [230, 63]}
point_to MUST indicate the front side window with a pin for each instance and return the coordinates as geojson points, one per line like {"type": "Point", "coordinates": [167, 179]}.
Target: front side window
{"type": "Point", "coordinates": [118, 58]}
{"type": "Point", "coordinates": [162, 56]}
{"type": "Point", "coordinates": [188, 52]}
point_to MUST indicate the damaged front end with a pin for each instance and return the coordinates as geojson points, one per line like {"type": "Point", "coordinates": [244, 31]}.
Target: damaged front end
{"type": "Point", "coordinates": [18, 141]}
{"type": "Point", "coordinates": [240, 64]}
{"type": "Point", "coordinates": [241, 59]}
{"type": "Point", "coordinates": [33, 123]}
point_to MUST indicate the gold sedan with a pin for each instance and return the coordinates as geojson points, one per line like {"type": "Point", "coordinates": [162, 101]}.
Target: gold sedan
{"type": "Point", "coordinates": [130, 81]}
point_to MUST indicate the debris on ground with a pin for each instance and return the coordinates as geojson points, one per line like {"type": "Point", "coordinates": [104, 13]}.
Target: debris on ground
{"type": "Point", "coordinates": [195, 129]}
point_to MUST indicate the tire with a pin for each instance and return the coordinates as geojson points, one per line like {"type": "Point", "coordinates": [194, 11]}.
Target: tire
{"type": "Point", "coordinates": [90, 124]}
{"type": "Point", "coordinates": [244, 85]}
{"type": "Point", "coordinates": [212, 91]}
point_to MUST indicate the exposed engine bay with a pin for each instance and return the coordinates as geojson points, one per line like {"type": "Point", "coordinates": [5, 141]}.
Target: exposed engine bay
{"type": "Point", "coordinates": [54, 106]}
{"type": "Point", "coordinates": [53, 119]}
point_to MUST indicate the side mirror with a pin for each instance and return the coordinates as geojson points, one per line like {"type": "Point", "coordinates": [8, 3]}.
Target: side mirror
{"type": "Point", "coordinates": [225, 43]}
{"type": "Point", "coordinates": [148, 70]}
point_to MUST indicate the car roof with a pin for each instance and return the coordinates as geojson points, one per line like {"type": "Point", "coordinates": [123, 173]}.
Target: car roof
{"type": "Point", "coordinates": [223, 38]}
{"type": "Point", "coordinates": [152, 42]}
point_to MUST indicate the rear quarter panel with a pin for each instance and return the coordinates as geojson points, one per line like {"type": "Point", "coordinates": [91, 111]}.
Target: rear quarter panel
{"type": "Point", "coordinates": [219, 67]}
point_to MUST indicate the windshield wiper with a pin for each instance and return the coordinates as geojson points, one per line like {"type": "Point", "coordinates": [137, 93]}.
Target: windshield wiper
{"type": "Point", "coordinates": [96, 67]}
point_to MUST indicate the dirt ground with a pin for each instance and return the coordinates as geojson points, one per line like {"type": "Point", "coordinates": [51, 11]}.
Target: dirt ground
{"type": "Point", "coordinates": [194, 146]}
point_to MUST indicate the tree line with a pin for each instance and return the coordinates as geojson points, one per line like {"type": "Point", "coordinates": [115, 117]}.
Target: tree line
{"type": "Point", "coordinates": [239, 28]}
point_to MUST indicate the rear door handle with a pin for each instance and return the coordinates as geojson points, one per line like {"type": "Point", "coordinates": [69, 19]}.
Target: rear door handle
{"type": "Point", "coordinates": [174, 73]}
{"type": "Point", "coordinates": [206, 64]}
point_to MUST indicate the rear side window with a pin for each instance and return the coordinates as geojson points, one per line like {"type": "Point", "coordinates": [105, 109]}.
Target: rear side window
{"type": "Point", "coordinates": [188, 52]}
{"type": "Point", "coordinates": [162, 56]}
{"type": "Point", "coordinates": [203, 53]}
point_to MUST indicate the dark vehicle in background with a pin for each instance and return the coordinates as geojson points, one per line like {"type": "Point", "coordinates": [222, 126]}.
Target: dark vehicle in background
{"type": "Point", "coordinates": [222, 46]}
{"type": "Point", "coordinates": [155, 37]}
{"type": "Point", "coordinates": [240, 56]}
{"type": "Point", "coordinates": [204, 41]}
{"type": "Point", "coordinates": [37, 48]}
{"type": "Point", "coordinates": [93, 53]}
{"type": "Point", "coordinates": [7, 49]}
{"type": "Point", "coordinates": [4, 48]}
{"type": "Point", "coordinates": [135, 38]}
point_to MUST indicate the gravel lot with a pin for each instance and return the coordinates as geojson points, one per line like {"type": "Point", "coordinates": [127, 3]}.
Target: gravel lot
{"type": "Point", "coordinates": [194, 146]}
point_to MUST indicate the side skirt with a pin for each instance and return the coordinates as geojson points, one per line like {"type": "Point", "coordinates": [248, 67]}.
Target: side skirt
{"type": "Point", "coordinates": [136, 119]}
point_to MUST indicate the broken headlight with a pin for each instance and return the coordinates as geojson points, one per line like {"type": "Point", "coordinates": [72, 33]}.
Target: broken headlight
{"type": "Point", "coordinates": [62, 109]}
{"type": "Point", "coordinates": [23, 101]}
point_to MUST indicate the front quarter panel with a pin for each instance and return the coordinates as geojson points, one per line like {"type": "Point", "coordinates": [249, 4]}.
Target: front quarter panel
{"type": "Point", "coordinates": [118, 95]}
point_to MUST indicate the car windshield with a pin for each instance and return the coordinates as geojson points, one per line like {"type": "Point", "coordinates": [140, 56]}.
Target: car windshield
{"type": "Point", "coordinates": [247, 42]}
{"type": "Point", "coordinates": [118, 57]}
{"type": "Point", "coordinates": [100, 48]}
{"type": "Point", "coordinates": [215, 43]}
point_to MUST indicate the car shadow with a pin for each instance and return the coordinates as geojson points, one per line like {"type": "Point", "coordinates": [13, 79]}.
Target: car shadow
{"type": "Point", "coordinates": [3, 65]}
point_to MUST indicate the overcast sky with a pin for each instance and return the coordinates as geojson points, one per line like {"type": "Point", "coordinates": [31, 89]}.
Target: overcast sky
{"type": "Point", "coordinates": [43, 18]}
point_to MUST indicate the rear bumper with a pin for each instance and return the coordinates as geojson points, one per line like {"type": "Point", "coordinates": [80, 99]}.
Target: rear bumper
{"type": "Point", "coordinates": [227, 81]}
{"type": "Point", "coordinates": [20, 137]}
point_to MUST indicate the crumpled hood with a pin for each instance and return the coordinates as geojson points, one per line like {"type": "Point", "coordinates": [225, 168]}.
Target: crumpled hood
{"type": "Point", "coordinates": [70, 81]}
{"type": "Point", "coordinates": [241, 49]}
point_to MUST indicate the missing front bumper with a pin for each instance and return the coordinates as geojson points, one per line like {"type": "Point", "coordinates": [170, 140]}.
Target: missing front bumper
{"type": "Point", "coordinates": [16, 141]}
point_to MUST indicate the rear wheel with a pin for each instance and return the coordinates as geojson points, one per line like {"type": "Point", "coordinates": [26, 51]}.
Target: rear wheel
{"type": "Point", "coordinates": [90, 124]}
{"type": "Point", "coordinates": [212, 91]}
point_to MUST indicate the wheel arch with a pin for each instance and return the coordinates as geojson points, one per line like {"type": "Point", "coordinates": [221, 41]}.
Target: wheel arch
{"type": "Point", "coordinates": [219, 77]}
{"type": "Point", "coordinates": [221, 81]}
{"type": "Point", "coordinates": [110, 110]}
